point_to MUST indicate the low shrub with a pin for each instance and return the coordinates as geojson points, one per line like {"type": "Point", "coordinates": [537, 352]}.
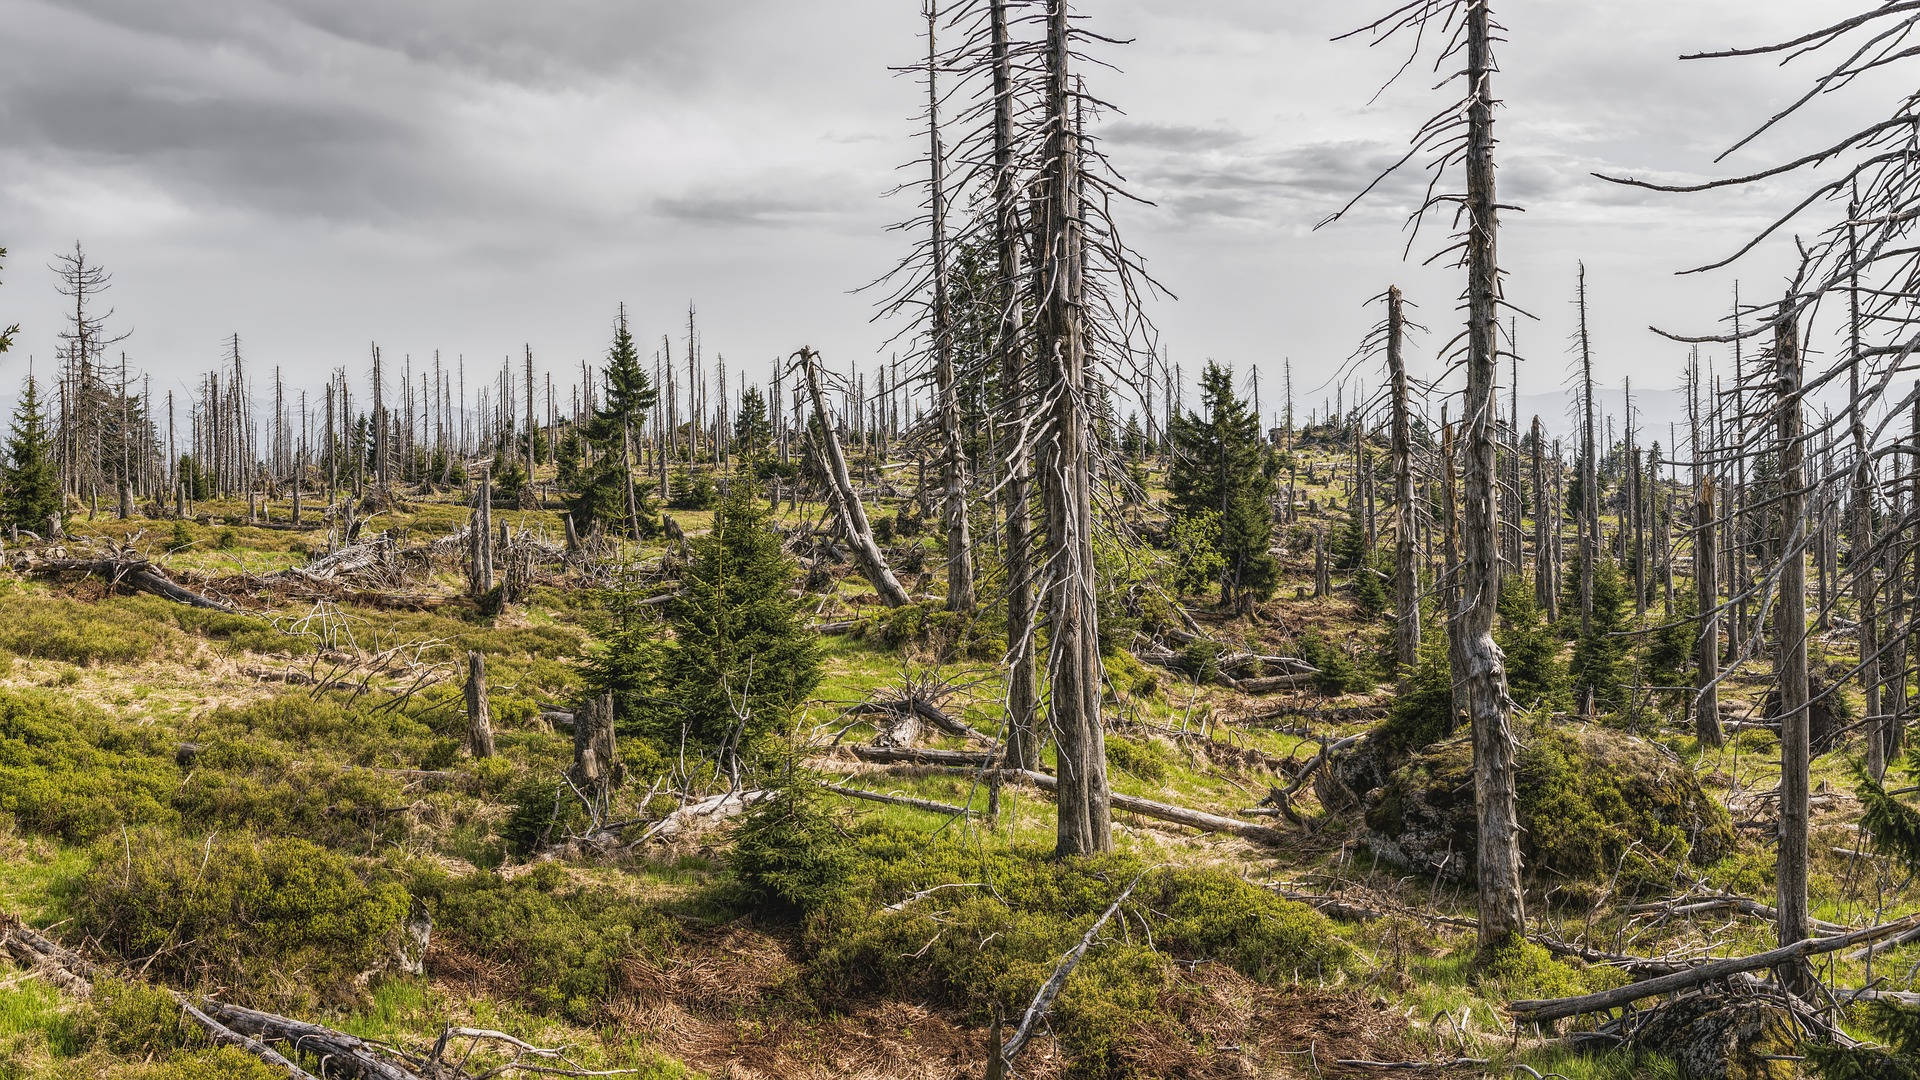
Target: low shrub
{"type": "Point", "coordinates": [66, 771]}
{"type": "Point", "coordinates": [1000, 919]}
{"type": "Point", "coordinates": [566, 945]}
{"type": "Point", "coordinates": [279, 917]}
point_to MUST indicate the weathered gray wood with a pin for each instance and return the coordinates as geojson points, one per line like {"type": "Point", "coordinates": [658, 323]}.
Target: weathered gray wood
{"type": "Point", "coordinates": [1406, 576]}
{"type": "Point", "coordinates": [841, 494]}
{"type": "Point", "coordinates": [1501, 908]}
{"type": "Point", "coordinates": [1791, 659]}
{"type": "Point", "coordinates": [1795, 954]}
{"type": "Point", "coordinates": [479, 716]}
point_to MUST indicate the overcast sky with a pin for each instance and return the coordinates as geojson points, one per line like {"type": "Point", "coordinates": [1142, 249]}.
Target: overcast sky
{"type": "Point", "coordinates": [469, 175]}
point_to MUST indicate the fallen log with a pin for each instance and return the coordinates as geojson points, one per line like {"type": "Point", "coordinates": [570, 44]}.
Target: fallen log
{"type": "Point", "coordinates": [715, 808]}
{"type": "Point", "coordinates": [1159, 811]}
{"type": "Point", "coordinates": [345, 1055]}
{"type": "Point", "coordinates": [1540, 1011]}
{"type": "Point", "coordinates": [134, 572]}
{"type": "Point", "coordinates": [899, 800]}
{"type": "Point", "coordinates": [924, 710]}
{"type": "Point", "coordinates": [903, 755]}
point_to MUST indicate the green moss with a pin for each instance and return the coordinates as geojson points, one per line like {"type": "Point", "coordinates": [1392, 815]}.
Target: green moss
{"type": "Point", "coordinates": [1143, 758]}
{"type": "Point", "coordinates": [1594, 805]}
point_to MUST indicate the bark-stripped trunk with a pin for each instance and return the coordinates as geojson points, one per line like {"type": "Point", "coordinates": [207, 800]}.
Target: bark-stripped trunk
{"type": "Point", "coordinates": [1706, 676]}
{"type": "Point", "coordinates": [1501, 907]}
{"type": "Point", "coordinates": [1066, 482]}
{"type": "Point", "coordinates": [1023, 695]}
{"type": "Point", "coordinates": [480, 573]}
{"type": "Point", "coordinates": [953, 465]}
{"type": "Point", "coordinates": [1589, 470]}
{"type": "Point", "coordinates": [844, 499]}
{"type": "Point", "coordinates": [1861, 556]}
{"type": "Point", "coordinates": [1450, 555]}
{"type": "Point", "coordinates": [479, 718]}
{"type": "Point", "coordinates": [1790, 628]}
{"type": "Point", "coordinates": [1406, 578]}
{"type": "Point", "coordinates": [1545, 522]}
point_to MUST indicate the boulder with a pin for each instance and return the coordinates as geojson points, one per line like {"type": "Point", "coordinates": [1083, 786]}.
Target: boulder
{"type": "Point", "coordinates": [1596, 806]}
{"type": "Point", "coordinates": [1717, 1037]}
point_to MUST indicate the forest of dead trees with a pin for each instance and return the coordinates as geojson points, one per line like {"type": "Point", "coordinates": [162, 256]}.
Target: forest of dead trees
{"type": "Point", "coordinates": [1027, 416]}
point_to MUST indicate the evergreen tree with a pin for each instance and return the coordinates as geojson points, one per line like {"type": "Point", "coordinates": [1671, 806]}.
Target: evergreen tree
{"type": "Point", "coordinates": [1535, 675]}
{"type": "Point", "coordinates": [1598, 654]}
{"type": "Point", "coordinates": [29, 483]}
{"type": "Point", "coordinates": [1221, 465]}
{"type": "Point", "coordinates": [604, 493]}
{"type": "Point", "coordinates": [752, 431]}
{"type": "Point", "coordinates": [742, 659]}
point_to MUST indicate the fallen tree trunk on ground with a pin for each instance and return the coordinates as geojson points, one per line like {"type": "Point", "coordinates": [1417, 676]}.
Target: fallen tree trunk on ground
{"type": "Point", "coordinates": [133, 572]}
{"type": "Point", "coordinates": [902, 755]}
{"type": "Point", "coordinates": [1178, 815]}
{"type": "Point", "coordinates": [73, 974]}
{"type": "Point", "coordinates": [345, 1055]}
{"type": "Point", "coordinates": [924, 710]}
{"type": "Point", "coordinates": [1544, 1010]}
{"type": "Point", "coordinates": [899, 800]}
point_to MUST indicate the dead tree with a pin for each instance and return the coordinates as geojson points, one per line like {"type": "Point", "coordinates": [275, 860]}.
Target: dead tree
{"type": "Point", "coordinates": [1706, 697]}
{"type": "Point", "coordinates": [1791, 655]}
{"type": "Point", "coordinates": [1546, 521]}
{"type": "Point", "coordinates": [1406, 577]}
{"type": "Point", "coordinates": [960, 590]}
{"type": "Point", "coordinates": [596, 766]}
{"type": "Point", "coordinates": [1589, 468]}
{"type": "Point", "coordinates": [1463, 135]}
{"type": "Point", "coordinates": [1023, 737]}
{"type": "Point", "coordinates": [1065, 462]}
{"type": "Point", "coordinates": [852, 516]}
{"type": "Point", "coordinates": [480, 540]}
{"type": "Point", "coordinates": [479, 717]}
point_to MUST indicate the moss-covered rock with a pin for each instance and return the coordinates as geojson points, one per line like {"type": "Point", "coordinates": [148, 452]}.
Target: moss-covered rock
{"type": "Point", "coordinates": [1720, 1038]}
{"type": "Point", "coordinates": [1595, 805]}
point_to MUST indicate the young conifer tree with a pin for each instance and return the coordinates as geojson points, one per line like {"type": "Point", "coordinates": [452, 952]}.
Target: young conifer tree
{"type": "Point", "coordinates": [1221, 466]}
{"type": "Point", "coordinates": [29, 480]}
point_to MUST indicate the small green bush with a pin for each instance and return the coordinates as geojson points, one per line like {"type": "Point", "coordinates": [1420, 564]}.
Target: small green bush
{"type": "Point", "coordinates": [130, 1020]}
{"type": "Point", "coordinates": [280, 917]}
{"type": "Point", "coordinates": [1142, 758]}
{"type": "Point", "coordinates": [566, 946]}
{"type": "Point", "coordinates": [65, 771]}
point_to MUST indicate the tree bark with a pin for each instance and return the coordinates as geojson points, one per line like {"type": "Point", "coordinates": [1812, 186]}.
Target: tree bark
{"type": "Point", "coordinates": [1023, 695]}
{"type": "Point", "coordinates": [953, 458]}
{"type": "Point", "coordinates": [1501, 908]}
{"type": "Point", "coordinates": [1406, 577]}
{"type": "Point", "coordinates": [1791, 657]}
{"type": "Point", "coordinates": [479, 717]}
{"type": "Point", "coordinates": [1084, 823]}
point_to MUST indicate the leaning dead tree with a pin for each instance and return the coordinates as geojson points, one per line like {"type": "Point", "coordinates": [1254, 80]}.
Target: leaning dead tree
{"type": "Point", "coordinates": [1462, 135]}
{"type": "Point", "coordinates": [847, 509]}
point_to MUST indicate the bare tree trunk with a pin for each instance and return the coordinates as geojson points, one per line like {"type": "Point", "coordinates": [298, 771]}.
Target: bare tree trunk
{"type": "Point", "coordinates": [1706, 676]}
{"type": "Point", "coordinates": [596, 765]}
{"type": "Point", "coordinates": [1546, 520]}
{"type": "Point", "coordinates": [846, 501]}
{"type": "Point", "coordinates": [1861, 556]}
{"type": "Point", "coordinates": [1501, 907]}
{"type": "Point", "coordinates": [960, 588]}
{"type": "Point", "coordinates": [1450, 562]}
{"type": "Point", "coordinates": [1791, 658]}
{"type": "Point", "coordinates": [1406, 578]}
{"type": "Point", "coordinates": [479, 718]}
{"type": "Point", "coordinates": [1023, 697]}
{"type": "Point", "coordinates": [480, 576]}
{"type": "Point", "coordinates": [1066, 482]}
{"type": "Point", "coordinates": [1589, 470]}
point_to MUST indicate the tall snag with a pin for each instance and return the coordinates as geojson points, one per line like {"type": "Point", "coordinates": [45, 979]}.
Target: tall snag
{"type": "Point", "coordinates": [1469, 32]}
{"type": "Point", "coordinates": [1706, 695]}
{"type": "Point", "coordinates": [1023, 742]}
{"type": "Point", "coordinates": [1406, 577]}
{"type": "Point", "coordinates": [1790, 662]}
{"type": "Point", "coordinates": [1065, 466]}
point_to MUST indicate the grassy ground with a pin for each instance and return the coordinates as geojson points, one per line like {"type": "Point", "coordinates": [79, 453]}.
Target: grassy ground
{"type": "Point", "coordinates": [648, 958]}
